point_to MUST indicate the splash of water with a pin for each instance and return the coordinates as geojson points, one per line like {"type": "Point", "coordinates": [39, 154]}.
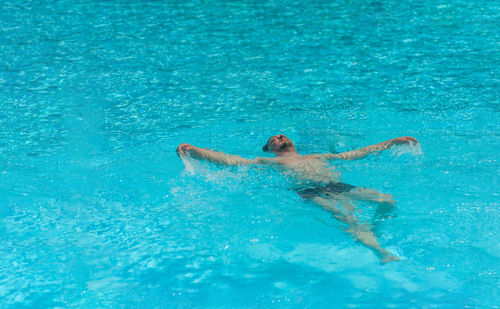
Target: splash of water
{"type": "Point", "coordinates": [222, 175]}
{"type": "Point", "coordinates": [188, 164]}
{"type": "Point", "coordinates": [411, 149]}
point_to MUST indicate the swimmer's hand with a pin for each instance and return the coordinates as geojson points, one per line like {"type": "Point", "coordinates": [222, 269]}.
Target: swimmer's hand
{"type": "Point", "coordinates": [184, 149]}
{"type": "Point", "coordinates": [402, 140]}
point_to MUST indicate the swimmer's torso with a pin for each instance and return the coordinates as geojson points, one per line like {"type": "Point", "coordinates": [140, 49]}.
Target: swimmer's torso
{"type": "Point", "coordinates": [306, 170]}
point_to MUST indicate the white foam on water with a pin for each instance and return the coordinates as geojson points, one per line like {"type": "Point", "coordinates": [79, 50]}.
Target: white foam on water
{"type": "Point", "coordinates": [223, 177]}
{"type": "Point", "coordinates": [411, 149]}
{"type": "Point", "coordinates": [188, 164]}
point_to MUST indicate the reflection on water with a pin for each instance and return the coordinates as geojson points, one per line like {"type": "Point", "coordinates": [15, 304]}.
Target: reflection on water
{"type": "Point", "coordinates": [95, 97]}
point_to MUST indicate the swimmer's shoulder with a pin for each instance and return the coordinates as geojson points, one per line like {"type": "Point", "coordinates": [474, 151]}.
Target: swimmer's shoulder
{"type": "Point", "coordinates": [265, 161]}
{"type": "Point", "coordinates": [283, 161]}
{"type": "Point", "coordinates": [316, 156]}
{"type": "Point", "coordinates": [322, 156]}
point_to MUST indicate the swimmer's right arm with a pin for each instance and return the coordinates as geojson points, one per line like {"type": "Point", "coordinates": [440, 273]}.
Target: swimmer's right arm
{"type": "Point", "coordinates": [216, 156]}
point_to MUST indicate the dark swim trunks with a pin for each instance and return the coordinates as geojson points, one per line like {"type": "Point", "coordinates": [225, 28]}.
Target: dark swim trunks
{"type": "Point", "coordinates": [324, 190]}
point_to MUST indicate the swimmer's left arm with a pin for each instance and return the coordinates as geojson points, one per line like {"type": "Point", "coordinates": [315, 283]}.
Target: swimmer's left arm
{"type": "Point", "coordinates": [363, 152]}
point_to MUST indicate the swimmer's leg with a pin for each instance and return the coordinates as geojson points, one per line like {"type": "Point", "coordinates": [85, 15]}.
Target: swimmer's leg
{"type": "Point", "coordinates": [342, 210]}
{"type": "Point", "coordinates": [385, 202]}
{"type": "Point", "coordinates": [370, 195]}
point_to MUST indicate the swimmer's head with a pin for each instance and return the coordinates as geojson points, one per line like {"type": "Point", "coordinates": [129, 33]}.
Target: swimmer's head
{"type": "Point", "coordinates": [279, 144]}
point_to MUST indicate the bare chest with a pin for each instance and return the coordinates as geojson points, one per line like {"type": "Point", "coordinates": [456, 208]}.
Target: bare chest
{"type": "Point", "coordinates": [308, 170]}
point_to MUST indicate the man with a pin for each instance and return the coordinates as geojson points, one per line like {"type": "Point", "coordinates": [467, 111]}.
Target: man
{"type": "Point", "coordinates": [313, 180]}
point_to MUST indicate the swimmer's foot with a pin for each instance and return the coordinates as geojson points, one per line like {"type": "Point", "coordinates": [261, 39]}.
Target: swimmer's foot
{"type": "Point", "coordinates": [386, 258]}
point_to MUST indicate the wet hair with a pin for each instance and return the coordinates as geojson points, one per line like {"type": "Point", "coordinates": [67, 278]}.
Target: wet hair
{"type": "Point", "coordinates": [265, 148]}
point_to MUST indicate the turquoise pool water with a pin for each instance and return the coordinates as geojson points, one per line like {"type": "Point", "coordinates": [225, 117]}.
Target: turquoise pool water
{"type": "Point", "coordinates": [98, 211]}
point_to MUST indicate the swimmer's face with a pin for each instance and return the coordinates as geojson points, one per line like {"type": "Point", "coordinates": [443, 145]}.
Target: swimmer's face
{"type": "Point", "coordinates": [279, 143]}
